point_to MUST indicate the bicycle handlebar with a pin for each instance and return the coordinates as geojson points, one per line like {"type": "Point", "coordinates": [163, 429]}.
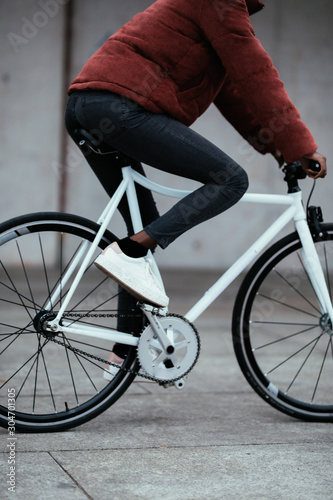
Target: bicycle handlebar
{"type": "Point", "coordinates": [315, 166]}
{"type": "Point", "coordinates": [294, 172]}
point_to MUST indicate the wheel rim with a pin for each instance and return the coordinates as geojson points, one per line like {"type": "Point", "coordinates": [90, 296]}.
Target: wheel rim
{"type": "Point", "coordinates": [50, 382]}
{"type": "Point", "coordinates": [284, 342]}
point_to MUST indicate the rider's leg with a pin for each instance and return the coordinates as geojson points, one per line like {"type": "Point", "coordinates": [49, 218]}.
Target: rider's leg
{"type": "Point", "coordinates": [168, 145]}
{"type": "Point", "coordinates": [108, 172]}
{"type": "Point", "coordinates": [110, 177]}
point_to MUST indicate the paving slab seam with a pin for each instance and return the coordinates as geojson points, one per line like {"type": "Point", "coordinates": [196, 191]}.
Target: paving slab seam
{"type": "Point", "coordinates": [198, 446]}
{"type": "Point", "coordinates": [70, 476]}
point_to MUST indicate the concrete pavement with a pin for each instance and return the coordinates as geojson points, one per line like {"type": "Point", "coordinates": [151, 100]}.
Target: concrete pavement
{"type": "Point", "coordinates": [216, 439]}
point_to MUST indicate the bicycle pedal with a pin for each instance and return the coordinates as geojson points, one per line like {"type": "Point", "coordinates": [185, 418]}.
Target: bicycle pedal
{"type": "Point", "coordinates": [178, 384]}
{"type": "Point", "coordinates": [161, 311]}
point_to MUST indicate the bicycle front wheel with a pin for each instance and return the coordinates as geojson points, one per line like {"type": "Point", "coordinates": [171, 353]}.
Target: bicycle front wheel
{"type": "Point", "coordinates": [282, 340]}
{"type": "Point", "coordinates": [55, 382]}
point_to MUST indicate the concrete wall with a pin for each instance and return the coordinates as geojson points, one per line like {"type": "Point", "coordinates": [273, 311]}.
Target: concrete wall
{"type": "Point", "coordinates": [297, 35]}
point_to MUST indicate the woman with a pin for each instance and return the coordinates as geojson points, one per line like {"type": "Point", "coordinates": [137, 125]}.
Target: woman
{"type": "Point", "coordinates": [143, 89]}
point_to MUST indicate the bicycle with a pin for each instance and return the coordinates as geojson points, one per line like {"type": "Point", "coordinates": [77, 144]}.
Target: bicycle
{"type": "Point", "coordinates": [65, 312]}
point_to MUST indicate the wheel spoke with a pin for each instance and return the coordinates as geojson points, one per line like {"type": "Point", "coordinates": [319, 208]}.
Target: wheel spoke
{"type": "Point", "coordinates": [80, 362]}
{"type": "Point", "coordinates": [48, 381]}
{"type": "Point", "coordinates": [26, 275]}
{"type": "Point", "coordinates": [295, 353]}
{"type": "Point", "coordinates": [17, 328]}
{"type": "Point", "coordinates": [297, 291]}
{"type": "Point", "coordinates": [14, 290]}
{"type": "Point", "coordinates": [89, 294]}
{"type": "Point", "coordinates": [284, 338]}
{"type": "Point", "coordinates": [281, 323]}
{"type": "Point", "coordinates": [45, 269]}
{"type": "Point", "coordinates": [96, 308]}
{"type": "Point", "coordinates": [286, 305]}
{"type": "Point", "coordinates": [17, 303]}
{"type": "Point", "coordinates": [71, 373]}
{"type": "Point", "coordinates": [8, 345]}
{"type": "Point", "coordinates": [303, 364]}
{"type": "Point", "coordinates": [34, 355]}
{"type": "Point", "coordinates": [36, 375]}
{"type": "Point", "coordinates": [321, 370]}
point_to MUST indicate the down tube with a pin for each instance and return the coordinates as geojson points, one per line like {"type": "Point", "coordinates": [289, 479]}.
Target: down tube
{"type": "Point", "coordinates": [235, 270]}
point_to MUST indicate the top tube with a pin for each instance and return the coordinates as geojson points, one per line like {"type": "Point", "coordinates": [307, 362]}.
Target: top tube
{"type": "Point", "coordinates": [276, 199]}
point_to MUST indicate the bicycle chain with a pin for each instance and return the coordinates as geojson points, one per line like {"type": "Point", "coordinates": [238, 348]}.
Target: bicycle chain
{"type": "Point", "coordinates": [120, 367]}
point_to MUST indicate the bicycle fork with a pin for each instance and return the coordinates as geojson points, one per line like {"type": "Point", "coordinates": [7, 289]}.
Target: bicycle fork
{"type": "Point", "coordinates": [313, 266]}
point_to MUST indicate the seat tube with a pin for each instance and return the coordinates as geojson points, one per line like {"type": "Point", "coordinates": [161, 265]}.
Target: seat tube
{"type": "Point", "coordinates": [136, 218]}
{"type": "Point", "coordinates": [132, 200]}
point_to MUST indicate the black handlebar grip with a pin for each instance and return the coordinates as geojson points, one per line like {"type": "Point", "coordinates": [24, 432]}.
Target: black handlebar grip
{"type": "Point", "coordinates": [315, 166]}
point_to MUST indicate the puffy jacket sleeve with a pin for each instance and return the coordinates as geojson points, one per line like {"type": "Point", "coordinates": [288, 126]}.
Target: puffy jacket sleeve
{"type": "Point", "coordinates": [226, 25]}
{"type": "Point", "coordinates": [236, 110]}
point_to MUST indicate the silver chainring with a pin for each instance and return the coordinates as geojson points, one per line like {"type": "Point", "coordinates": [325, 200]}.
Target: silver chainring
{"type": "Point", "coordinates": [161, 365]}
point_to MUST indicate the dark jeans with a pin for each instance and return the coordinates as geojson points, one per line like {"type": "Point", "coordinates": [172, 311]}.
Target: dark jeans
{"type": "Point", "coordinates": [162, 142]}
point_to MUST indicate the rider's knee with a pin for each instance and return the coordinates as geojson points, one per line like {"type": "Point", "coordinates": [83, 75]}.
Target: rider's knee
{"type": "Point", "coordinates": [238, 182]}
{"type": "Point", "coordinates": [243, 180]}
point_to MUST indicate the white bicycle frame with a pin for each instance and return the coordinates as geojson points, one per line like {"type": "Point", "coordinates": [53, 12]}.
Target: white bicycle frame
{"type": "Point", "coordinates": [295, 211]}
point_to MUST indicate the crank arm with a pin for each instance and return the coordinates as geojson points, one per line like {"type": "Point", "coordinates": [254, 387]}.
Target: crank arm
{"type": "Point", "coordinates": [168, 346]}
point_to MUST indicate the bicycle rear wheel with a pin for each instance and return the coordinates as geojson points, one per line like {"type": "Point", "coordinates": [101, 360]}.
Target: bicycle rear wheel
{"type": "Point", "coordinates": [282, 341]}
{"type": "Point", "coordinates": [52, 388]}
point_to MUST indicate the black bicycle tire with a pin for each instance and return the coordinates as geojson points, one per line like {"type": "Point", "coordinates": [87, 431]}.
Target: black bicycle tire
{"type": "Point", "coordinates": [115, 389]}
{"type": "Point", "coordinates": [241, 337]}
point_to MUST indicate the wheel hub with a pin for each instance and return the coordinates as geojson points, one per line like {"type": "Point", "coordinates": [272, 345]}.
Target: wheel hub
{"type": "Point", "coordinates": [41, 320]}
{"type": "Point", "coordinates": [326, 324]}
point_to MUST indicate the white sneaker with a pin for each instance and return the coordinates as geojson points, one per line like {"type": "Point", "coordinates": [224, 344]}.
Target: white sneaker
{"type": "Point", "coordinates": [110, 372]}
{"type": "Point", "coordinates": [135, 275]}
